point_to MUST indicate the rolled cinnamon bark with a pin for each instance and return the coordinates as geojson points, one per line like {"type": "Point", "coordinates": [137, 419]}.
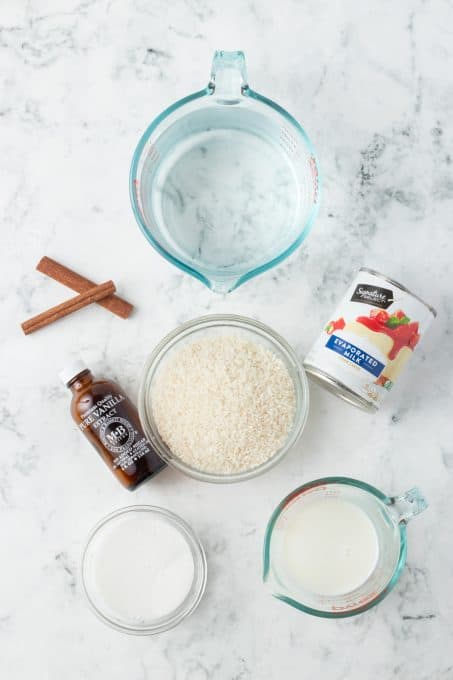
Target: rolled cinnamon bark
{"type": "Point", "coordinates": [94, 294]}
{"type": "Point", "coordinates": [80, 284]}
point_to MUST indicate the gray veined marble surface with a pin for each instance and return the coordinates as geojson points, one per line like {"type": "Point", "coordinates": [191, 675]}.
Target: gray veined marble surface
{"type": "Point", "coordinates": [372, 84]}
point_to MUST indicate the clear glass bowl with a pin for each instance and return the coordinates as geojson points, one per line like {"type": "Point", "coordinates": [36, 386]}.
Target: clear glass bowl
{"type": "Point", "coordinates": [101, 607]}
{"type": "Point", "coordinates": [220, 324]}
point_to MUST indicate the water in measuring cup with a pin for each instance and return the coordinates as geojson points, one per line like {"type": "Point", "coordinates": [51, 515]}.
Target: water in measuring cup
{"type": "Point", "coordinates": [329, 546]}
{"type": "Point", "coordinates": [226, 199]}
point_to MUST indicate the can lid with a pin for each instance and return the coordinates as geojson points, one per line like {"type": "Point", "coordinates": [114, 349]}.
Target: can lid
{"type": "Point", "coordinates": [400, 286]}
{"type": "Point", "coordinates": [71, 370]}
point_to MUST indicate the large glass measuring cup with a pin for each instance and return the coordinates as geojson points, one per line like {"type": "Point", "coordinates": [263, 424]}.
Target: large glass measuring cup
{"type": "Point", "coordinates": [337, 546]}
{"type": "Point", "coordinates": [224, 183]}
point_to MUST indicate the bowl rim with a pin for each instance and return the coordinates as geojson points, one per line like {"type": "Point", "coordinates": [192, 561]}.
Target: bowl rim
{"type": "Point", "coordinates": [283, 350]}
{"type": "Point", "coordinates": [200, 573]}
{"type": "Point", "coordinates": [300, 491]}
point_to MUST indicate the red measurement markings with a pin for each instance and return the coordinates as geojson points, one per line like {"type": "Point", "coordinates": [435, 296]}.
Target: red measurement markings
{"type": "Point", "coordinates": [314, 174]}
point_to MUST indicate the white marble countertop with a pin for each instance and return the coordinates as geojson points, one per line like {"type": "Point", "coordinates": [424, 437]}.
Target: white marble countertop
{"type": "Point", "coordinates": [371, 82]}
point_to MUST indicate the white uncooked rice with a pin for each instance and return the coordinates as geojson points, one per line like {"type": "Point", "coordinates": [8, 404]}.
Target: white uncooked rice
{"type": "Point", "coordinates": [223, 404]}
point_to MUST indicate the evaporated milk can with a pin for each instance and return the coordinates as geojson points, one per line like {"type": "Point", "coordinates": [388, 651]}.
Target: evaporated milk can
{"type": "Point", "coordinates": [369, 339]}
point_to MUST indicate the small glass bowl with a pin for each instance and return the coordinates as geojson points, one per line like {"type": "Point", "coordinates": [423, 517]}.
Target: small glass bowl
{"type": "Point", "coordinates": [175, 617]}
{"type": "Point", "coordinates": [220, 324]}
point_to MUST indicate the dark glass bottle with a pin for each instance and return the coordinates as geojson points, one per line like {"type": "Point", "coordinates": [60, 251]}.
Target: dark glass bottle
{"type": "Point", "coordinates": [110, 421]}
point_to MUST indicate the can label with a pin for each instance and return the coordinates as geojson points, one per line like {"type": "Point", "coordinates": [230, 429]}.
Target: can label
{"type": "Point", "coordinates": [371, 337]}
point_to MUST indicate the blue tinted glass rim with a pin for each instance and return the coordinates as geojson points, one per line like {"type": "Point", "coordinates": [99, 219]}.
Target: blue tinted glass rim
{"type": "Point", "coordinates": [247, 92]}
{"type": "Point", "coordinates": [133, 174]}
{"type": "Point", "coordinates": [348, 481]}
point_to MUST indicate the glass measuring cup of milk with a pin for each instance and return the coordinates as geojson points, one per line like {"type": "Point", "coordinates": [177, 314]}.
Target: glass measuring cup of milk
{"type": "Point", "coordinates": [224, 183]}
{"type": "Point", "coordinates": [336, 546]}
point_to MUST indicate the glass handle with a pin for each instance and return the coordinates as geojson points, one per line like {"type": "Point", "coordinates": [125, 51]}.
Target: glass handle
{"type": "Point", "coordinates": [228, 76]}
{"type": "Point", "coordinates": [409, 504]}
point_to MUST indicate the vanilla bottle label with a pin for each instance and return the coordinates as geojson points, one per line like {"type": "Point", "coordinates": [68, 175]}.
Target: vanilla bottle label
{"type": "Point", "coordinates": [110, 422]}
{"type": "Point", "coordinates": [117, 433]}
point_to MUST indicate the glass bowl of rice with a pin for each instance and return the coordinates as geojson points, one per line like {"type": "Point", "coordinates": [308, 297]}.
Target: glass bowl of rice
{"type": "Point", "coordinates": [223, 398]}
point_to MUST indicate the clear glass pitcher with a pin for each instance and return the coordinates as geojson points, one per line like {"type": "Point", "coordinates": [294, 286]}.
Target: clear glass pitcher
{"type": "Point", "coordinates": [357, 535]}
{"type": "Point", "coordinates": [224, 183]}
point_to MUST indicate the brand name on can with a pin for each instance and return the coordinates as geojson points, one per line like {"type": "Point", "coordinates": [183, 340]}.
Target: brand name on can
{"type": "Point", "coordinates": [373, 295]}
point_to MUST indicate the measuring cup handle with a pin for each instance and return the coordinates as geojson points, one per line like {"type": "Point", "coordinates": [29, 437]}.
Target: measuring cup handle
{"type": "Point", "coordinates": [409, 504]}
{"type": "Point", "coordinates": [228, 76]}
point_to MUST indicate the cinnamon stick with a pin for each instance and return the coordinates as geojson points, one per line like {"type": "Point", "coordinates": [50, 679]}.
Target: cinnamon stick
{"type": "Point", "coordinates": [80, 284]}
{"type": "Point", "coordinates": [54, 313]}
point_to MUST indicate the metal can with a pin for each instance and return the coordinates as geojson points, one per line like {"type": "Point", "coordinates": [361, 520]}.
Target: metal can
{"type": "Point", "coordinates": [372, 335]}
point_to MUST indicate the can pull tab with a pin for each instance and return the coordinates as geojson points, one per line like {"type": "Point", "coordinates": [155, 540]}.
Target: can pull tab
{"type": "Point", "coordinates": [409, 504]}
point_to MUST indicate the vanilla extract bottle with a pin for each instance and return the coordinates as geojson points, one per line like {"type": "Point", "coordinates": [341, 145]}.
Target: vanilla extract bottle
{"type": "Point", "coordinates": [110, 422]}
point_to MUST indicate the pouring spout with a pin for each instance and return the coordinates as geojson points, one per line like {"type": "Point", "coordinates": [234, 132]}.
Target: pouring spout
{"type": "Point", "coordinates": [228, 76]}
{"type": "Point", "coordinates": [223, 286]}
